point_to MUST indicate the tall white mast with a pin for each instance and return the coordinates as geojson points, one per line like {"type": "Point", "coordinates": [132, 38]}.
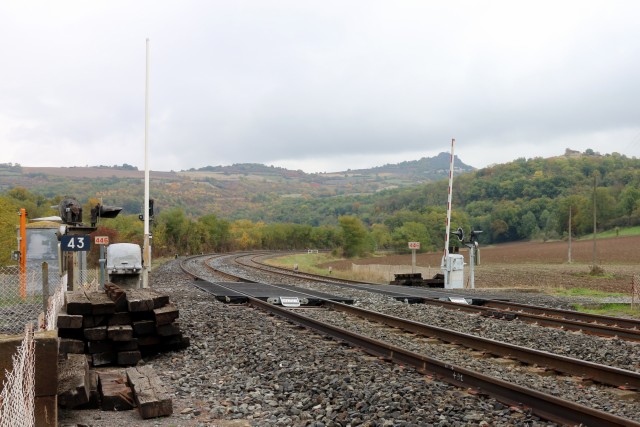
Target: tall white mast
{"type": "Point", "coordinates": [146, 251]}
{"type": "Point", "coordinates": [448, 224]}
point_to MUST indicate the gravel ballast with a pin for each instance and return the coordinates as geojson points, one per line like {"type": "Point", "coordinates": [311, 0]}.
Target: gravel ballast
{"type": "Point", "coordinates": [245, 368]}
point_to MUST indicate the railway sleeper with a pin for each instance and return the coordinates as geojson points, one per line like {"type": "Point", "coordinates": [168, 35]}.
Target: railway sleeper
{"type": "Point", "coordinates": [499, 315]}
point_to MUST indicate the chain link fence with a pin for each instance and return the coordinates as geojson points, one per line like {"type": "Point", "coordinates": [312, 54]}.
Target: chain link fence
{"type": "Point", "coordinates": [56, 302]}
{"type": "Point", "coordinates": [18, 392]}
{"type": "Point", "coordinates": [24, 296]}
{"type": "Point", "coordinates": [89, 279]}
{"type": "Point", "coordinates": [29, 301]}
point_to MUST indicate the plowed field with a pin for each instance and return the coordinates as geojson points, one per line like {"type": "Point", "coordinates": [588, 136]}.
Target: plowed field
{"type": "Point", "coordinates": [541, 265]}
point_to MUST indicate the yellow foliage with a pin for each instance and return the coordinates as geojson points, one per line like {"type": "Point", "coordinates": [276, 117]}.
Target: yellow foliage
{"type": "Point", "coordinates": [9, 221]}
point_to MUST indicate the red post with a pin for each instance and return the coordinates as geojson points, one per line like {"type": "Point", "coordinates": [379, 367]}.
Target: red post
{"type": "Point", "coordinates": [23, 253]}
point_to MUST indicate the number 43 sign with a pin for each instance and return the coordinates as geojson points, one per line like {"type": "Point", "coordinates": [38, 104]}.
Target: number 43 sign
{"type": "Point", "coordinates": [75, 243]}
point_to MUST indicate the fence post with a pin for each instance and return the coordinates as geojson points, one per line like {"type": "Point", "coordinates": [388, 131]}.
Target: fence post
{"type": "Point", "coordinates": [45, 288]}
{"type": "Point", "coordinates": [635, 291]}
{"type": "Point", "coordinates": [70, 272]}
{"type": "Point", "coordinates": [23, 253]}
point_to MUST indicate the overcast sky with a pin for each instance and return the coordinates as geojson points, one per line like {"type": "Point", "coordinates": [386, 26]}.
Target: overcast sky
{"type": "Point", "coordinates": [316, 85]}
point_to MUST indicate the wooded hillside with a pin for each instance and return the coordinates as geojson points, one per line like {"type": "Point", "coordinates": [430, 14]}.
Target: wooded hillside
{"type": "Point", "coordinates": [256, 207]}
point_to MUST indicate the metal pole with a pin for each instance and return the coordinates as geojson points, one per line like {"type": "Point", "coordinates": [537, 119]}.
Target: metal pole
{"type": "Point", "coordinates": [146, 251]}
{"type": "Point", "coordinates": [45, 289]}
{"type": "Point", "coordinates": [448, 223]}
{"type": "Point", "coordinates": [102, 262]}
{"type": "Point", "coordinates": [472, 261]}
{"type": "Point", "coordinates": [413, 260]}
{"type": "Point", "coordinates": [595, 254]}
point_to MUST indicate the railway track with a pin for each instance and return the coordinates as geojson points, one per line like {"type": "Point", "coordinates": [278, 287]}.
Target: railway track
{"type": "Point", "coordinates": [604, 326]}
{"type": "Point", "coordinates": [545, 405]}
{"type": "Point", "coordinates": [188, 265]}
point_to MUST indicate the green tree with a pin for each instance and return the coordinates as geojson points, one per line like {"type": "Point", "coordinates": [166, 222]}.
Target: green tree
{"type": "Point", "coordinates": [129, 227]}
{"type": "Point", "coordinates": [325, 237]}
{"type": "Point", "coordinates": [9, 222]}
{"type": "Point", "coordinates": [578, 205]}
{"type": "Point", "coordinates": [628, 201]}
{"type": "Point", "coordinates": [381, 236]}
{"type": "Point", "coordinates": [217, 235]}
{"type": "Point", "coordinates": [173, 225]}
{"type": "Point", "coordinates": [411, 232]}
{"type": "Point", "coordinates": [354, 235]}
{"type": "Point", "coordinates": [550, 225]}
{"type": "Point", "coordinates": [529, 226]}
{"type": "Point", "coordinates": [246, 235]}
{"type": "Point", "coordinates": [196, 237]}
{"type": "Point", "coordinates": [36, 205]}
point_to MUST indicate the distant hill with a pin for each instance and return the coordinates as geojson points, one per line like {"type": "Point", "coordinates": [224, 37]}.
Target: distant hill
{"type": "Point", "coordinates": [425, 169]}
{"type": "Point", "coordinates": [429, 168]}
{"type": "Point", "coordinates": [235, 191]}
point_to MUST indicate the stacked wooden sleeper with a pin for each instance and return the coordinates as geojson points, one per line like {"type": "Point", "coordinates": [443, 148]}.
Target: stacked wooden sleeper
{"type": "Point", "coordinates": [116, 327]}
{"type": "Point", "coordinates": [113, 389]}
{"type": "Point", "coordinates": [119, 326]}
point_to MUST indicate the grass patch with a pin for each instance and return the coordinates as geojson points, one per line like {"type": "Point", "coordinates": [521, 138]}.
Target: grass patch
{"type": "Point", "coordinates": [310, 263]}
{"type": "Point", "coordinates": [306, 262]}
{"type": "Point", "coordinates": [584, 292]}
{"type": "Point", "coordinates": [622, 231]}
{"type": "Point", "coordinates": [613, 309]}
{"type": "Point", "coordinates": [17, 300]}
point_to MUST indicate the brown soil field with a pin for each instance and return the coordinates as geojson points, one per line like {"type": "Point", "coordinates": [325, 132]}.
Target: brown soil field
{"type": "Point", "coordinates": [540, 265]}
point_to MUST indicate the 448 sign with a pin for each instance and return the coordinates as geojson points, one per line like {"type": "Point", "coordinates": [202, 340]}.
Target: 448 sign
{"type": "Point", "coordinates": [75, 243]}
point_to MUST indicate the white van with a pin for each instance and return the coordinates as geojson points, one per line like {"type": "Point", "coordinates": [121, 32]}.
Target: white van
{"type": "Point", "coordinates": [124, 264]}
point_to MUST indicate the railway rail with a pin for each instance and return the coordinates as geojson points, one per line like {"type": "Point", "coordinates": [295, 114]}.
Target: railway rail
{"type": "Point", "coordinates": [604, 326]}
{"type": "Point", "coordinates": [544, 405]}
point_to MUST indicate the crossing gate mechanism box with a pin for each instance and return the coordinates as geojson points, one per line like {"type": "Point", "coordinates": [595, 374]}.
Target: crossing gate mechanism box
{"type": "Point", "coordinates": [455, 269]}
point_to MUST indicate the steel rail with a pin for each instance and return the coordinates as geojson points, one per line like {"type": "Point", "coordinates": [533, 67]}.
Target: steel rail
{"type": "Point", "coordinates": [568, 365]}
{"type": "Point", "coordinates": [588, 328]}
{"type": "Point", "coordinates": [589, 370]}
{"type": "Point", "coordinates": [597, 372]}
{"type": "Point", "coordinates": [222, 273]}
{"type": "Point", "coordinates": [543, 405]}
{"type": "Point", "coordinates": [566, 314]}
{"type": "Point", "coordinates": [605, 326]}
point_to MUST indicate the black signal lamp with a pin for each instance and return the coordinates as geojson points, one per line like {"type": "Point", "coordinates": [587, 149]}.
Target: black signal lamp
{"type": "Point", "coordinates": [460, 233]}
{"type": "Point", "coordinates": [99, 211]}
{"type": "Point", "coordinates": [474, 235]}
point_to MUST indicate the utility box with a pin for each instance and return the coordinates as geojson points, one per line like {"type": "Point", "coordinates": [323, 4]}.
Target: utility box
{"type": "Point", "coordinates": [454, 266]}
{"type": "Point", "coordinates": [42, 246]}
{"type": "Point", "coordinates": [124, 264]}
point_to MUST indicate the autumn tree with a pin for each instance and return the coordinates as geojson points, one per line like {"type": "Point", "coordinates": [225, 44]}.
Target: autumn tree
{"type": "Point", "coordinates": [8, 223]}
{"type": "Point", "coordinates": [217, 236]}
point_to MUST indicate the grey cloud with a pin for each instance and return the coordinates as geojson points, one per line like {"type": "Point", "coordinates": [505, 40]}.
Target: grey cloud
{"type": "Point", "coordinates": [266, 82]}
